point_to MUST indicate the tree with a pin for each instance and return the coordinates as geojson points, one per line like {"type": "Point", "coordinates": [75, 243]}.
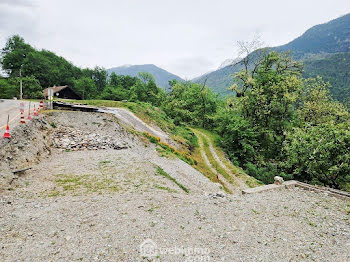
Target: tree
{"type": "Point", "coordinates": [253, 58]}
{"type": "Point", "coordinates": [14, 54]}
{"type": "Point", "coordinates": [7, 90]}
{"type": "Point", "coordinates": [316, 105]}
{"type": "Point", "coordinates": [319, 154]}
{"type": "Point", "coordinates": [48, 68]}
{"type": "Point", "coordinates": [86, 88]}
{"type": "Point", "coordinates": [239, 137]}
{"type": "Point", "coordinates": [185, 104]}
{"type": "Point", "coordinates": [250, 57]}
{"type": "Point", "coordinates": [146, 90]}
{"type": "Point", "coordinates": [99, 75]}
{"type": "Point", "coordinates": [145, 77]}
{"type": "Point", "coordinates": [286, 125]}
{"type": "Point", "coordinates": [269, 104]}
{"type": "Point", "coordinates": [9, 87]}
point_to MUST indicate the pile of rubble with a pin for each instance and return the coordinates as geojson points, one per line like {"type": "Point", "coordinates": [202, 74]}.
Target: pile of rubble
{"type": "Point", "coordinates": [67, 138]}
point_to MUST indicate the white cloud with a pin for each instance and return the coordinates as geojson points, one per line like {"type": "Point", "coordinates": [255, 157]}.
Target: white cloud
{"type": "Point", "coordinates": [187, 38]}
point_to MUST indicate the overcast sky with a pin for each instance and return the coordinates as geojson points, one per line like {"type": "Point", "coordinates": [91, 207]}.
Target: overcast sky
{"type": "Point", "coordinates": [185, 37]}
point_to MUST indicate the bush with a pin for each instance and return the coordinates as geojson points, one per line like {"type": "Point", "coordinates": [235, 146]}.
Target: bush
{"type": "Point", "coordinates": [320, 155]}
{"type": "Point", "coordinates": [239, 137]}
{"type": "Point", "coordinates": [266, 173]}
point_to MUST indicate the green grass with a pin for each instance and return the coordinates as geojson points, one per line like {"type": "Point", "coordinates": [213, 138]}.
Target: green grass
{"type": "Point", "coordinates": [215, 164]}
{"type": "Point", "coordinates": [171, 150]}
{"type": "Point", "coordinates": [215, 140]}
{"type": "Point", "coordinates": [161, 172]}
{"type": "Point", "coordinates": [165, 188]}
{"type": "Point", "coordinates": [54, 193]}
{"type": "Point", "coordinates": [164, 153]}
{"type": "Point", "coordinates": [202, 167]}
{"type": "Point", "coordinates": [105, 162]}
{"type": "Point", "coordinates": [86, 183]}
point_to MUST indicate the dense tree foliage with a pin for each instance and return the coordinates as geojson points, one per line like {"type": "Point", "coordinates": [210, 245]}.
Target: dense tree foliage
{"type": "Point", "coordinates": [319, 154]}
{"type": "Point", "coordinates": [48, 68]}
{"type": "Point", "coordinates": [190, 103]}
{"type": "Point", "coordinates": [9, 88]}
{"type": "Point", "coordinates": [286, 125]}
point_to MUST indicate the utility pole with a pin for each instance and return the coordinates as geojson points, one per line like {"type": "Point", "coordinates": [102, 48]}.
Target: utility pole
{"type": "Point", "coordinates": [20, 84]}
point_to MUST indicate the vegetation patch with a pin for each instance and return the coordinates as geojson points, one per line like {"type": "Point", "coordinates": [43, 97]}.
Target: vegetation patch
{"type": "Point", "coordinates": [181, 155]}
{"type": "Point", "coordinates": [86, 183]}
{"type": "Point", "coordinates": [164, 153]}
{"type": "Point", "coordinates": [161, 172]}
{"type": "Point", "coordinates": [165, 188]}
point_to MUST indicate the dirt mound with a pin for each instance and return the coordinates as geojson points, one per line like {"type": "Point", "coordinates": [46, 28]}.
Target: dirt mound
{"type": "Point", "coordinates": [29, 143]}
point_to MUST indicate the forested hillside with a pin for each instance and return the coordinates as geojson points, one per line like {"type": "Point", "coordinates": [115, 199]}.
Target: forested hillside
{"type": "Point", "coordinates": [161, 76]}
{"type": "Point", "coordinates": [333, 68]}
{"type": "Point", "coordinates": [312, 48]}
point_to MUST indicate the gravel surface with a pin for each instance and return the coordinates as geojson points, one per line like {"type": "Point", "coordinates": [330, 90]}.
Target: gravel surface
{"type": "Point", "coordinates": [103, 204]}
{"type": "Point", "coordinates": [288, 225]}
{"type": "Point", "coordinates": [132, 120]}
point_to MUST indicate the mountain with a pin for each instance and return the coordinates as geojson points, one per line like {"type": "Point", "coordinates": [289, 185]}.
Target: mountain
{"type": "Point", "coordinates": [331, 37]}
{"type": "Point", "coordinates": [321, 45]}
{"type": "Point", "coordinates": [161, 76]}
{"type": "Point", "coordinates": [220, 79]}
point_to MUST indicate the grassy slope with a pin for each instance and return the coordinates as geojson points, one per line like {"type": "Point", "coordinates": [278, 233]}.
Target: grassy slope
{"type": "Point", "coordinates": [238, 172]}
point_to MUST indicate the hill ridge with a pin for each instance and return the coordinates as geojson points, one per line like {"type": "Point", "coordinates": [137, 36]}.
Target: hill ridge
{"type": "Point", "coordinates": [162, 76]}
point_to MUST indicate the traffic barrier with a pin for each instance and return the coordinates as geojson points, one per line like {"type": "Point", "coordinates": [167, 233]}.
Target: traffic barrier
{"type": "Point", "coordinates": [29, 116]}
{"type": "Point", "coordinates": [22, 118]}
{"type": "Point", "coordinates": [7, 132]}
{"type": "Point", "coordinates": [35, 112]}
{"type": "Point", "coordinates": [41, 104]}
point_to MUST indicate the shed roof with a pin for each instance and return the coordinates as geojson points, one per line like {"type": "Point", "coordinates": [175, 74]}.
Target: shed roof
{"type": "Point", "coordinates": [55, 89]}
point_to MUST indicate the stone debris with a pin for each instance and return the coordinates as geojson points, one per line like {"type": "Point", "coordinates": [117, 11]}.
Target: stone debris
{"type": "Point", "coordinates": [217, 195]}
{"type": "Point", "coordinates": [67, 138]}
{"type": "Point", "coordinates": [278, 180]}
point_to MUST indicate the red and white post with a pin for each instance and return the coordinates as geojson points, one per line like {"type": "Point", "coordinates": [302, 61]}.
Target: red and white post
{"type": "Point", "coordinates": [29, 116]}
{"type": "Point", "coordinates": [21, 109]}
{"type": "Point", "coordinates": [35, 112]}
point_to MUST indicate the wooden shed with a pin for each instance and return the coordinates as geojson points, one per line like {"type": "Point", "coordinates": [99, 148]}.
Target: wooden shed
{"type": "Point", "coordinates": [62, 92]}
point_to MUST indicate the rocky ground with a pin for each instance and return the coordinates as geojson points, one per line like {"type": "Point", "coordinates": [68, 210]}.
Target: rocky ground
{"type": "Point", "coordinates": [88, 200]}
